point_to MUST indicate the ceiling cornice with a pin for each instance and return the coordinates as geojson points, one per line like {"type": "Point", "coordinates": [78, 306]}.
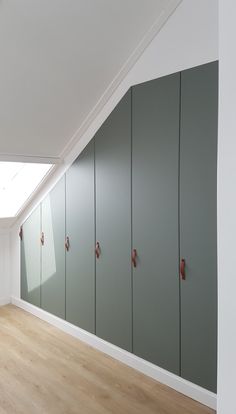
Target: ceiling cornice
{"type": "Point", "coordinates": [128, 65]}
{"type": "Point", "coordinates": [28, 158]}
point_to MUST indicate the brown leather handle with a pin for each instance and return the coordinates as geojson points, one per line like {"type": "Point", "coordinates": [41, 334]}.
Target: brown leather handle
{"type": "Point", "coordinates": [97, 250]}
{"type": "Point", "coordinates": [21, 232]}
{"type": "Point", "coordinates": [134, 257]}
{"type": "Point", "coordinates": [67, 243]}
{"type": "Point", "coordinates": [182, 269]}
{"type": "Point", "coordinates": [42, 238]}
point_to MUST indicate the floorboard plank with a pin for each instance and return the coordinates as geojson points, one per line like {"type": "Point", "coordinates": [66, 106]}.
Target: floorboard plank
{"type": "Point", "coordinates": [45, 371]}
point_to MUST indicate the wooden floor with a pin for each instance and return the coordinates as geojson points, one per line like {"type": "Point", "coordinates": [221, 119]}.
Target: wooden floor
{"type": "Point", "coordinates": [43, 370]}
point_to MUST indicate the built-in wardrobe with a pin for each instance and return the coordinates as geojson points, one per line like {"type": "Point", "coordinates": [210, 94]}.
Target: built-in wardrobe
{"type": "Point", "coordinates": [124, 246]}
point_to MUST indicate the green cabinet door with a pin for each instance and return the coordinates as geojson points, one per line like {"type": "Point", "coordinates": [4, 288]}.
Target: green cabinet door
{"type": "Point", "coordinates": [80, 228]}
{"type": "Point", "coordinates": [53, 251]}
{"type": "Point", "coordinates": [155, 156]}
{"type": "Point", "coordinates": [30, 258]}
{"type": "Point", "coordinates": [198, 238]}
{"type": "Point", "coordinates": [113, 226]}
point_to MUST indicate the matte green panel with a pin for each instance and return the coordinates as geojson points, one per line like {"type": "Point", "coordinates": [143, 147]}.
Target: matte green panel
{"type": "Point", "coordinates": [30, 259]}
{"type": "Point", "coordinates": [113, 226]}
{"type": "Point", "coordinates": [198, 238]}
{"type": "Point", "coordinates": [53, 251]}
{"type": "Point", "coordinates": [155, 128]}
{"type": "Point", "coordinates": [80, 227]}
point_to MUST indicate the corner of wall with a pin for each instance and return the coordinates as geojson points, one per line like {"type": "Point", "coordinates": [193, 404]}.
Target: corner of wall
{"type": "Point", "coordinates": [5, 272]}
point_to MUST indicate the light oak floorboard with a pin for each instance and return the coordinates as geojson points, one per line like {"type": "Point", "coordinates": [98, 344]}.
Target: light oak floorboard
{"type": "Point", "coordinates": [45, 371]}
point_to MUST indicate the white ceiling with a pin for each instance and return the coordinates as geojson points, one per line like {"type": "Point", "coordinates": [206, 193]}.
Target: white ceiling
{"type": "Point", "coordinates": [57, 57]}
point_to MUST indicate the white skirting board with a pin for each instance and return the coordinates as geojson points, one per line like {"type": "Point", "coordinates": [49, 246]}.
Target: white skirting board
{"type": "Point", "coordinates": [177, 383]}
{"type": "Point", "coordinates": [5, 301]}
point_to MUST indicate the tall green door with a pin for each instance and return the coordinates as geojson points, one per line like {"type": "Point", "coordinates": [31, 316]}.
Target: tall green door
{"type": "Point", "coordinates": [198, 238]}
{"type": "Point", "coordinates": [155, 158]}
{"type": "Point", "coordinates": [113, 227]}
{"type": "Point", "coordinates": [30, 258]}
{"type": "Point", "coordinates": [80, 228]}
{"type": "Point", "coordinates": [53, 251]}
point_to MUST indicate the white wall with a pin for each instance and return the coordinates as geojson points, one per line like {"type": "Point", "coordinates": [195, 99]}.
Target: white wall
{"type": "Point", "coordinates": [227, 211]}
{"type": "Point", "coordinates": [5, 274]}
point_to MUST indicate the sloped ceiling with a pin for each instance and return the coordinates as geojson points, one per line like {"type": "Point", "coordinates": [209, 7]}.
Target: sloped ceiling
{"type": "Point", "coordinates": [57, 57]}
